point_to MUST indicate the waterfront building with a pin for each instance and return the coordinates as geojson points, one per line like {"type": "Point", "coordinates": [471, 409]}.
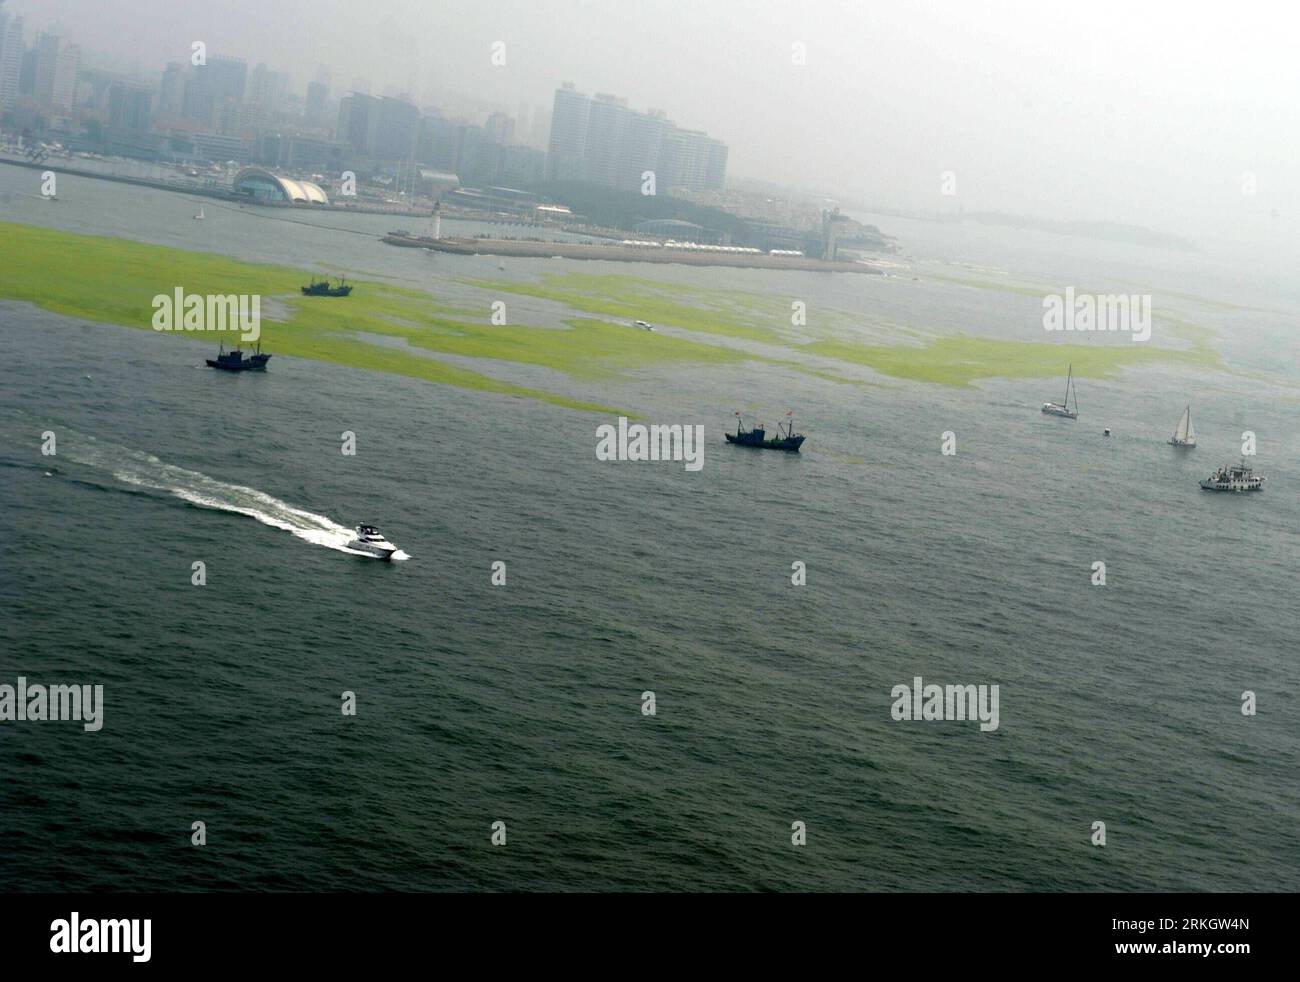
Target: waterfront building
{"type": "Point", "coordinates": [602, 141]}
{"type": "Point", "coordinates": [11, 56]}
{"type": "Point", "coordinates": [568, 142]}
{"type": "Point", "coordinates": [269, 187]}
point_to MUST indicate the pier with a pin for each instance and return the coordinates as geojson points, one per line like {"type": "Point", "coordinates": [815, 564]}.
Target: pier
{"type": "Point", "coordinates": [616, 252]}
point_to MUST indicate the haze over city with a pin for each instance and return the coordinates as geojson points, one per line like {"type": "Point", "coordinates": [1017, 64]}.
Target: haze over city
{"type": "Point", "coordinates": [1036, 109]}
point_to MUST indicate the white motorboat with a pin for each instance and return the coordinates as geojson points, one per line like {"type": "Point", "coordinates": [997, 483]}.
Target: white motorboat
{"type": "Point", "coordinates": [372, 542]}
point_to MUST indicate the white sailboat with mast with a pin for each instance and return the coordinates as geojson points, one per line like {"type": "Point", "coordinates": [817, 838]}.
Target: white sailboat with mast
{"type": "Point", "coordinates": [1185, 434]}
{"type": "Point", "coordinates": [1062, 408]}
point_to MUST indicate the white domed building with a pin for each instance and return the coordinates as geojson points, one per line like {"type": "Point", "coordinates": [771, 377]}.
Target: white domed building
{"type": "Point", "coordinates": [266, 187]}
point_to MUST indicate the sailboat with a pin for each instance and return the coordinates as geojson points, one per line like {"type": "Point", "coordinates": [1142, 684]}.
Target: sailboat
{"type": "Point", "coordinates": [199, 216]}
{"type": "Point", "coordinates": [1063, 408]}
{"type": "Point", "coordinates": [1185, 434]}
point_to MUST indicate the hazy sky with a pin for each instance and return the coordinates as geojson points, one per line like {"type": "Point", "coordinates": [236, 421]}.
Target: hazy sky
{"type": "Point", "coordinates": [1143, 111]}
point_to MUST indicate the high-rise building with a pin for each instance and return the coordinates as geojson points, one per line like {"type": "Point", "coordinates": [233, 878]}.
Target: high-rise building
{"type": "Point", "coordinates": [606, 151]}
{"type": "Point", "coordinates": [11, 56]}
{"type": "Point", "coordinates": [568, 143]}
{"type": "Point", "coordinates": [27, 74]}
{"type": "Point", "coordinates": [602, 141]}
{"type": "Point", "coordinates": [715, 166]}
{"type": "Point", "coordinates": [317, 96]}
{"type": "Point", "coordinates": [519, 165]}
{"type": "Point", "coordinates": [213, 87]}
{"type": "Point", "coordinates": [645, 138]}
{"type": "Point", "coordinates": [684, 160]}
{"type": "Point", "coordinates": [383, 128]}
{"type": "Point", "coordinates": [500, 128]}
{"type": "Point", "coordinates": [171, 90]}
{"type": "Point", "coordinates": [241, 119]}
{"type": "Point", "coordinates": [438, 143]}
{"type": "Point", "coordinates": [129, 107]}
{"type": "Point", "coordinates": [354, 121]}
{"type": "Point", "coordinates": [393, 125]}
{"type": "Point", "coordinates": [47, 66]}
{"type": "Point", "coordinates": [269, 89]}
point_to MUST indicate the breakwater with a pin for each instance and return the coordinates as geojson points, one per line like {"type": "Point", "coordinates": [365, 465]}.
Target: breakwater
{"type": "Point", "coordinates": [613, 252]}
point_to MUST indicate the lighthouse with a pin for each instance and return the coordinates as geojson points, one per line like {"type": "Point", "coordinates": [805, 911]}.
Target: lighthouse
{"type": "Point", "coordinates": [437, 220]}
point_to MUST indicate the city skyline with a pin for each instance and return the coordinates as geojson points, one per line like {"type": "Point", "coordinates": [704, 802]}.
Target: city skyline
{"type": "Point", "coordinates": [228, 110]}
{"type": "Point", "coordinates": [889, 108]}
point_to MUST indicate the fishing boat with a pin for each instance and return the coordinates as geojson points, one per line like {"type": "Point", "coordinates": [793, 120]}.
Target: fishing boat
{"type": "Point", "coordinates": [788, 439]}
{"type": "Point", "coordinates": [1062, 408]}
{"type": "Point", "coordinates": [322, 288]}
{"type": "Point", "coordinates": [1184, 433]}
{"type": "Point", "coordinates": [234, 360]}
{"type": "Point", "coordinates": [1233, 477]}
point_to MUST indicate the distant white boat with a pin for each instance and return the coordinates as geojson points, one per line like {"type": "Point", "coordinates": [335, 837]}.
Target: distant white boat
{"type": "Point", "coordinates": [199, 216]}
{"type": "Point", "coordinates": [1185, 434]}
{"type": "Point", "coordinates": [1063, 408]}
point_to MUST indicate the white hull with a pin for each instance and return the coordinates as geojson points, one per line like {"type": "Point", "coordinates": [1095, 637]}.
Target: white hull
{"type": "Point", "coordinates": [1236, 487]}
{"type": "Point", "coordinates": [1052, 409]}
{"type": "Point", "coordinates": [1234, 478]}
{"type": "Point", "coordinates": [372, 549]}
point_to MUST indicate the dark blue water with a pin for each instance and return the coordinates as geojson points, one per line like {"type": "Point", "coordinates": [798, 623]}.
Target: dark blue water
{"type": "Point", "coordinates": [522, 703]}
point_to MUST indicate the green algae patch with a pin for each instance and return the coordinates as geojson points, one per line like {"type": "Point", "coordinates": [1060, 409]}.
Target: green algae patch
{"type": "Point", "coordinates": [960, 361]}
{"type": "Point", "coordinates": [589, 349]}
{"type": "Point", "coordinates": [115, 280]}
{"type": "Point", "coordinates": [404, 331]}
{"type": "Point", "coordinates": [697, 309]}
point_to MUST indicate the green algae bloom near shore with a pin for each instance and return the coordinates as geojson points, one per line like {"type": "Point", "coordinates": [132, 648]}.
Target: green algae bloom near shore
{"type": "Point", "coordinates": [954, 360]}
{"type": "Point", "coordinates": [379, 328]}
{"type": "Point", "coordinates": [410, 332]}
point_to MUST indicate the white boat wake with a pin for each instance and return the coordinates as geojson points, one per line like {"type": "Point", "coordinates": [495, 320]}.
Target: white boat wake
{"type": "Point", "coordinates": [144, 470]}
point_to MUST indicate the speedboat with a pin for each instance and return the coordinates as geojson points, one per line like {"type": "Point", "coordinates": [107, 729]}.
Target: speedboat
{"type": "Point", "coordinates": [372, 542]}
